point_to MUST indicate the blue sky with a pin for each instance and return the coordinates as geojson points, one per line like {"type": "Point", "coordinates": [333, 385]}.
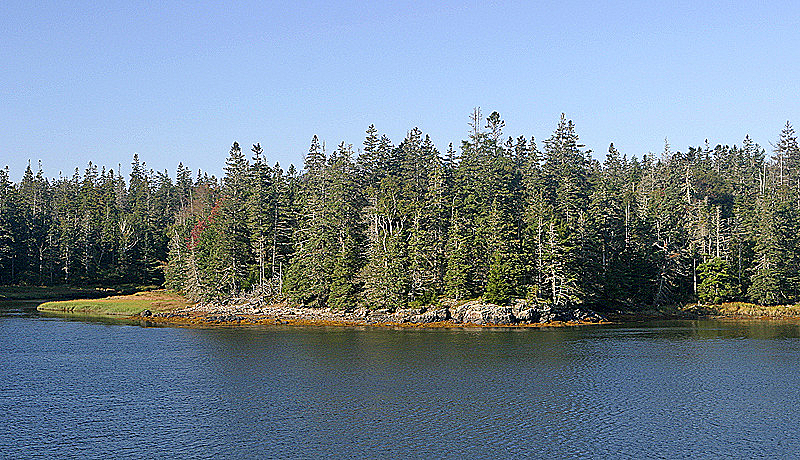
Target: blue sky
{"type": "Point", "coordinates": [180, 81]}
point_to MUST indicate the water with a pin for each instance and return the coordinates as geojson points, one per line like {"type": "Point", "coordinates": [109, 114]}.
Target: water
{"type": "Point", "coordinates": [686, 389]}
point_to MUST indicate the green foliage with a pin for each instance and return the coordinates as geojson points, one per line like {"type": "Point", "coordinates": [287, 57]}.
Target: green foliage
{"type": "Point", "coordinates": [329, 234]}
{"type": "Point", "coordinates": [502, 283]}
{"type": "Point", "coordinates": [775, 278]}
{"type": "Point", "coordinates": [560, 265]}
{"type": "Point", "coordinates": [718, 283]}
{"type": "Point", "coordinates": [402, 225]}
{"type": "Point", "coordinates": [86, 229]}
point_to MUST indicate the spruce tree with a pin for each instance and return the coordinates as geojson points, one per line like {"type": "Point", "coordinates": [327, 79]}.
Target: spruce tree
{"type": "Point", "coordinates": [718, 282]}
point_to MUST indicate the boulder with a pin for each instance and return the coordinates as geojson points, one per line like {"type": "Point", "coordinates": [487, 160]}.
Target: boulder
{"type": "Point", "coordinates": [475, 315]}
{"type": "Point", "coordinates": [431, 316]}
{"type": "Point", "coordinates": [501, 315]}
{"type": "Point", "coordinates": [549, 317]}
{"type": "Point", "coordinates": [404, 315]}
{"type": "Point", "coordinates": [547, 314]}
{"type": "Point", "coordinates": [587, 316]}
{"type": "Point", "coordinates": [481, 313]}
{"type": "Point", "coordinates": [520, 305]}
{"type": "Point", "coordinates": [529, 315]}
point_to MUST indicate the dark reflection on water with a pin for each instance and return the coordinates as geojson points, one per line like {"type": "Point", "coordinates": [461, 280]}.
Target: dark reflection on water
{"type": "Point", "coordinates": [18, 308]}
{"type": "Point", "coordinates": [683, 389]}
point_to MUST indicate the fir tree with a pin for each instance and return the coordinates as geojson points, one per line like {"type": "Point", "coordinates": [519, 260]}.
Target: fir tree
{"type": "Point", "coordinates": [718, 282]}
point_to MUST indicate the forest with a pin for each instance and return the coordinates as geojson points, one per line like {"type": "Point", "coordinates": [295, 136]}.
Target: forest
{"type": "Point", "coordinates": [391, 226]}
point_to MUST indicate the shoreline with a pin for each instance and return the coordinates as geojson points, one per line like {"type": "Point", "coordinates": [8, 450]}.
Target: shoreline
{"type": "Point", "coordinates": [166, 308]}
{"type": "Point", "coordinates": [469, 314]}
{"type": "Point", "coordinates": [203, 320]}
{"type": "Point", "coordinates": [199, 319]}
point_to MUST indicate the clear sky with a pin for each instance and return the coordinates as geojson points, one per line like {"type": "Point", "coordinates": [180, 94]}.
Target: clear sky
{"type": "Point", "coordinates": [180, 81]}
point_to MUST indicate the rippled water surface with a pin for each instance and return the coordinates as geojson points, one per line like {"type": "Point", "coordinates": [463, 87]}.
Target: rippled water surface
{"type": "Point", "coordinates": [688, 389]}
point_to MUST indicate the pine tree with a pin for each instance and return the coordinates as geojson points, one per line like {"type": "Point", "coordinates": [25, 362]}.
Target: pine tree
{"type": "Point", "coordinates": [560, 274]}
{"type": "Point", "coordinates": [344, 209]}
{"type": "Point", "coordinates": [775, 278]}
{"type": "Point", "coordinates": [7, 225]}
{"type": "Point", "coordinates": [563, 227]}
{"type": "Point", "coordinates": [308, 278]}
{"type": "Point", "coordinates": [234, 239]}
{"type": "Point", "coordinates": [718, 282]}
{"type": "Point", "coordinates": [260, 217]}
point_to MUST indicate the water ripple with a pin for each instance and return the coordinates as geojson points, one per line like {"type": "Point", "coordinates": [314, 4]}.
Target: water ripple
{"type": "Point", "coordinates": [671, 390]}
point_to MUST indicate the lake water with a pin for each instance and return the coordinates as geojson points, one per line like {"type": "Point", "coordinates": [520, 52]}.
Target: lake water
{"type": "Point", "coordinates": [682, 389]}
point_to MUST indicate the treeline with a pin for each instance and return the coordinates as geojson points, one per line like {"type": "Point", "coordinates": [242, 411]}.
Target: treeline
{"type": "Point", "coordinates": [399, 225]}
{"type": "Point", "coordinates": [501, 218]}
{"type": "Point", "coordinates": [90, 229]}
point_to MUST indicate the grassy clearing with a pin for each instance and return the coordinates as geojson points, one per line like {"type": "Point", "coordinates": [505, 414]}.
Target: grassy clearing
{"type": "Point", "coordinates": [746, 310]}
{"type": "Point", "coordinates": [124, 305]}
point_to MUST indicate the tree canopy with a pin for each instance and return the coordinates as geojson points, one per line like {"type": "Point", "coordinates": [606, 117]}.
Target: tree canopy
{"type": "Point", "coordinates": [393, 225]}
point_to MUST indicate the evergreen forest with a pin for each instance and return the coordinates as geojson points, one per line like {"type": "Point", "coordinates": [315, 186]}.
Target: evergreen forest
{"type": "Point", "coordinates": [391, 225]}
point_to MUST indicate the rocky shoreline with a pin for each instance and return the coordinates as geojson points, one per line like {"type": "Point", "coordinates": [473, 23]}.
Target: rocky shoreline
{"type": "Point", "coordinates": [469, 314]}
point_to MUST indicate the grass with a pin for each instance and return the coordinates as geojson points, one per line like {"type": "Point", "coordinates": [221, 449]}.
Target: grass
{"type": "Point", "coordinates": [124, 305]}
{"type": "Point", "coordinates": [750, 309]}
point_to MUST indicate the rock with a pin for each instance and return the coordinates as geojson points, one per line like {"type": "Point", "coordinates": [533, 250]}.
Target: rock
{"type": "Point", "coordinates": [431, 316]}
{"type": "Point", "coordinates": [519, 305]}
{"type": "Point", "coordinates": [475, 315]}
{"type": "Point", "coordinates": [380, 316]}
{"type": "Point", "coordinates": [586, 316]}
{"type": "Point", "coordinates": [548, 317]}
{"type": "Point", "coordinates": [457, 313]}
{"type": "Point", "coordinates": [594, 318]}
{"type": "Point", "coordinates": [501, 315]}
{"type": "Point", "coordinates": [547, 314]}
{"type": "Point", "coordinates": [480, 313]}
{"type": "Point", "coordinates": [529, 315]}
{"type": "Point", "coordinates": [405, 315]}
{"type": "Point", "coordinates": [224, 318]}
